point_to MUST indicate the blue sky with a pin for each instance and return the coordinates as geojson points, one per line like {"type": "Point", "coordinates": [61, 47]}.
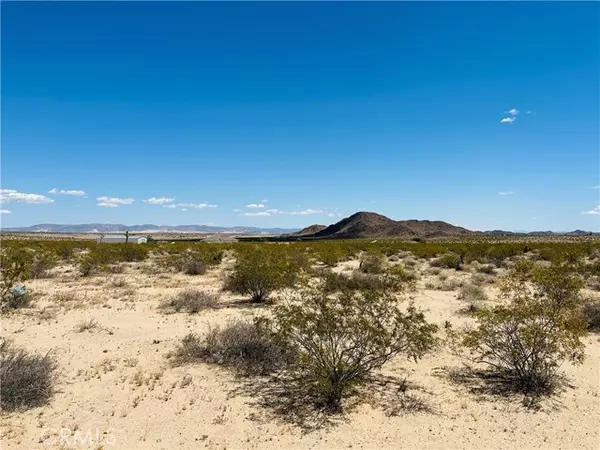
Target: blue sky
{"type": "Point", "coordinates": [484, 115]}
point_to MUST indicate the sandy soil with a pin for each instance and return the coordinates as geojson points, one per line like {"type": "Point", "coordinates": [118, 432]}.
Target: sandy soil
{"type": "Point", "coordinates": [116, 388]}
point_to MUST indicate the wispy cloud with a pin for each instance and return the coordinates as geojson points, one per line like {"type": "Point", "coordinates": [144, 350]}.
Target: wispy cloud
{"type": "Point", "coordinates": [5, 211]}
{"type": "Point", "coordinates": [76, 193]}
{"type": "Point", "coordinates": [13, 196]}
{"type": "Point", "coordinates": [159, 200]}
{"type": "Point", "coordinates": [196, 205]}
{"type": "Point", "coordinates": [508, 120]}
{"type": "Point", "coordinates": [184, 209]}
{"type": "Point", "coordinates": [595, 211]}
{"type": "Point", "coordinates": [305, 212]}
{"type": "Point", "coordinates": [506, 193]}
{"type": "Point", "coordinates": [113, 202]}
{"type": "Point", "coordinates": [531, 112]}
{"type": "Point", "coordinates": [595, 187]}
{"type": "Point", "coordinates": [512, 112]}
{"type": "Point", "coordinates": [255, 205]}
{"type": "Point", "coordinates": [260, 213]}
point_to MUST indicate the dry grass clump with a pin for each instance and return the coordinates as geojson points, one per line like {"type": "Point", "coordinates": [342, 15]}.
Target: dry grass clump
{"type": "Point", "coordinates": [473, 295]}
{"type": "Point", "coordinates": [87, 325]}
{"type": "Point", "coordinates": [190, 301]}
{"type": "Point", "coordinates": [479, 279]}
{"type": "Point", "coordinates": [591, 313]}
{"type": "Point", "coordinates": [239, 345]}
{"type": "Point", "coordinates": [27, 379]}
{"type": "Point", "coordinates": [372, 263]}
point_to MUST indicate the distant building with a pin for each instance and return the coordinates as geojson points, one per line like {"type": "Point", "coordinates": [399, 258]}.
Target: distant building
{"type": "Point", "coordinates": [121, 239]}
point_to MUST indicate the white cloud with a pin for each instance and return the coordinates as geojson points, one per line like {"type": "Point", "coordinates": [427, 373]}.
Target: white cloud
{"type": "Point", "coordinates": [261, 213]}
{"type": "Point", "coordinates": [5, 211]}
{"type": "Point", "coordinates": [508, 120]}
{"type": "Point", "coordinates": [265, 201]}
{"type": "Point", "coordinates": [159, 200]}
{"type": "Point", "coordinates": [331, 215]}
{"type": "Point", "coordinates": [113, 202]}
{"type": "Point", "coordinates": [169, 206]}
{"type": "Point", "coordinates": [255, 205]}
{"type": "Point", "coordinates": [512, 112]}
{"type": "Point", "coordinates": [237, 210]}
{"type": "Point", "coordinates": [196, 205]}
{"type": "Point", "coordinates": [304, 212]}
{"type": "Point", "coordinates": [506, 193]}
{"type": "Point", "coordinates": [530, 112]}
{"type": "Point", "coordinates": [76, 193]}
{"type": "Point", "coordinates": [184, 209]}
{"type": "Point", "coordinates": [12, 196]}
{"type": "Point", "coordinates": [595, 211]}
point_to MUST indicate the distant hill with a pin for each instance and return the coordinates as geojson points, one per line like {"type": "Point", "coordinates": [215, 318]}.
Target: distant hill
{"type": "Point", "coordinates": [309, 231]}
{"type": "Point", "coordinates": [145, 228]}
{"type": "Point", "coordinates": [373, 225]}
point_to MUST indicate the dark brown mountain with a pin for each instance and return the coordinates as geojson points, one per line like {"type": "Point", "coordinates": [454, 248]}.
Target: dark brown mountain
{"type": "Point", "coordinates": [309, 231]}
{"type": "Point", "coordinates": [373, 225]}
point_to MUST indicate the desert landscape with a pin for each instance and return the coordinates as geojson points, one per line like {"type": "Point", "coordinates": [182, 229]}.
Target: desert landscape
{"type": "Point", "coordinates": [114, 323]}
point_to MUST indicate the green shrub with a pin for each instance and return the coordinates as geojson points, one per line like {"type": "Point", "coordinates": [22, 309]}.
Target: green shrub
{"type": "Point", "coordinates": [42, 262]}
{"type": "Point", "coordinates": [239, 345]}
{"type": "Point", "coordinates": [340, 340]}
{"type": "Point", "coordinates": [448, 261]}
{"type": "Point", "coordinates": [27, 379]}
{"type": "Point", "coordinates": [540, 327]}
{"type": "Point", "coordinates": [473, 295]}
{"type": "Point", "coordinates": [260, 271]}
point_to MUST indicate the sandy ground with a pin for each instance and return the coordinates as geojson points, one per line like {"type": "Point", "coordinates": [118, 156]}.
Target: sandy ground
{"type": "Point", "coordinates": [116, 388]}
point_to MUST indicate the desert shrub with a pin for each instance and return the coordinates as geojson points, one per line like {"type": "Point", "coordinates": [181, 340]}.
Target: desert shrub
{"type": "Point", "coordinates": [487, 269]}
{"type": "Point", "coordinates": [479, 279]}
{"type": "Point", "coordinates": [591, 314]}
{"type": "Point", "coordinates": [194, 267]}
{"type": "Point", "coordinates": [260, 271]}
{"type": "Point", "coordinates": [239, 345]}
{"type": "Point", "coordinates": [14, 267]}
{"type": "Point", "coordinates": [27, 379]}
{"type": "Point", "coordinates": [42, 262]}
{"type": "Point", "coordinates": [340, 340]}
{"type": "Point", "coordinates": [448, 261]}
{"type": "Point", "coordinates": [392, 281]}
{"type": "Point", "coordinates": [473, 295]}
{"type": "Point", "coordinates": [190, 301]}
{"type": "Point", "coordinates": [373, 263]}
{"type": "Point", "coordinates": [88, 265]}
{"type": "Point", "coordinates": [540, 327]}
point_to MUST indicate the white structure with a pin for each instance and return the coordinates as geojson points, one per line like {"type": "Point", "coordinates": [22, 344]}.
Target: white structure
{"type": "Point", "coordinates": [121, 239]}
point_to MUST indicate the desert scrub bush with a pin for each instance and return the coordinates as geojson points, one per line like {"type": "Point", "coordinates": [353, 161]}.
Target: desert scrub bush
{"type": "Point", "coordinates": [239, 345]}
{"type": "Point", "coordinates": [339, 340]}
{"type": "Point", "coordinates": [447, 261]}
{"type": "Point", "coordinates": [14, 267]}
{"type": "Point", "coordinates": [473, 295]}
{"type": "Point", "coordinates": [41, 262]}
{"type": "Point", "coordinates": [190, 301]}
{"type": "Point", "coordinates": [87, 325]}
{"type": "Point", "coordinates": [527, 339]}
{"type": "Point", "coordinates": [396, 281]}
{"type": "Point", "coordinates": [487, 269]}
{"type": "Point", "coordinates": [373, 263]}
{"type": "Point", "coordinates": [27, 379]}
{"type": "Point", "coordinates": [591, 313]}
{"type": "Point", "coordinates": [259, 271]}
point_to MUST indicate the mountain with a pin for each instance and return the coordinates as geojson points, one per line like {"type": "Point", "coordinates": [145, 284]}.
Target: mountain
{"type": "Point", "coordinates": [373, 225]}
{"type": "Point", "coordinates": [145, 228]}
{"type": "Point", "coordinates": [309, 231]}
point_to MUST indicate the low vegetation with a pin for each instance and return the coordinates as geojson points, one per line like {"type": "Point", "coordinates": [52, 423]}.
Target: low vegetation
{"type": "Point", "coordinates": [190, 301]}
{"type": "Point", "coordinates": [340, 340]}
{"type": "Point", "coordinates": [540, 326]}
{"type": "Point", "coordinates": [239, 345]}
{"type": "Point", "coordinates": [27, 379]}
